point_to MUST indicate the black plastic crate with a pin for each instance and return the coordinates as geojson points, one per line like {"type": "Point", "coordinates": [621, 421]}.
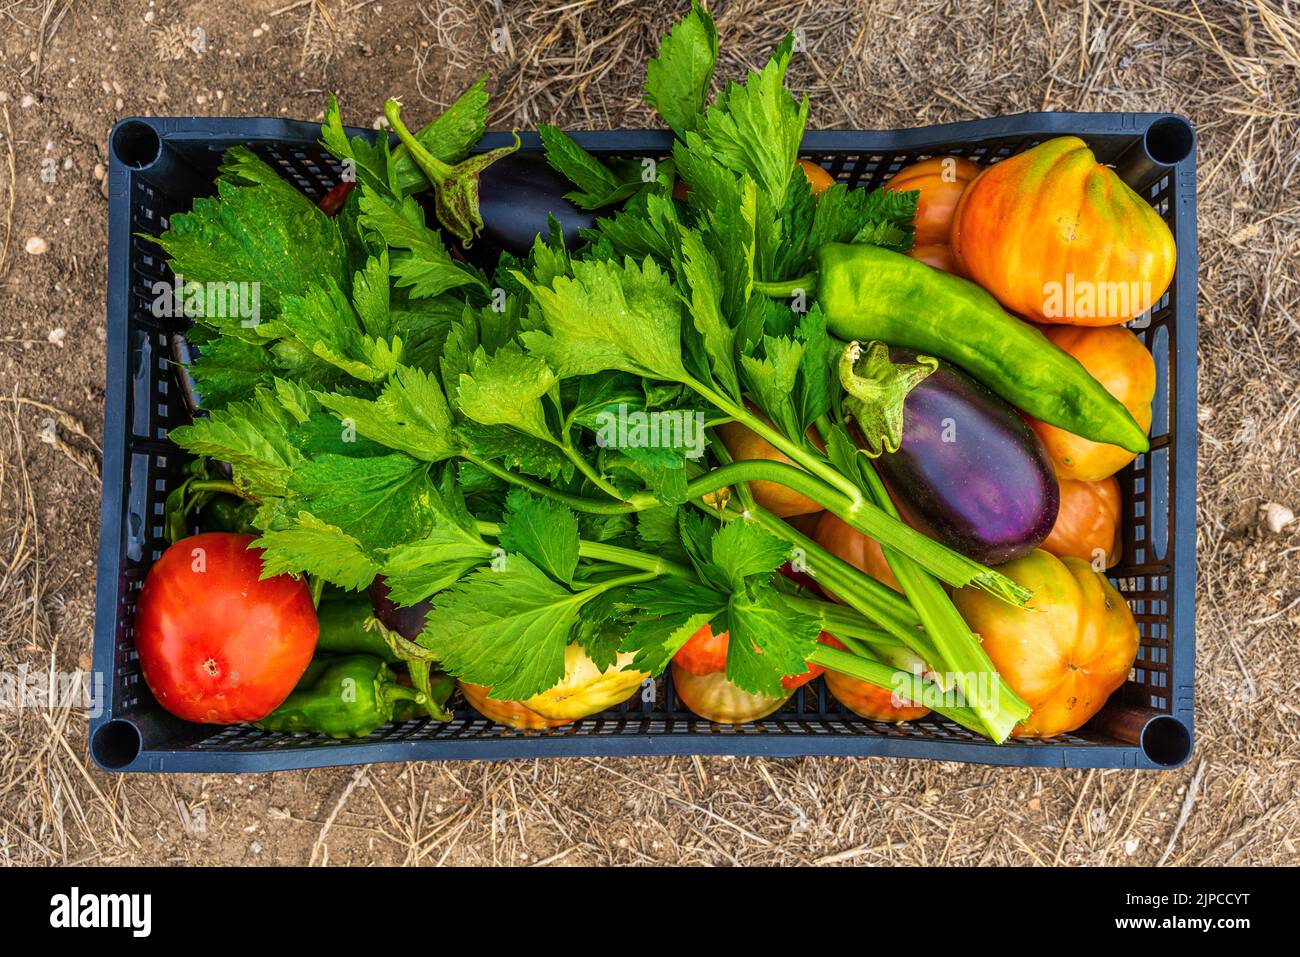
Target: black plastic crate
{"type": "Point", "coordinates": [158, 166]}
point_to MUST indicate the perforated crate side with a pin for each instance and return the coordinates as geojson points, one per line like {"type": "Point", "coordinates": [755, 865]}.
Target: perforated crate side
{"type": "Point", "coordinates": [140, 466]}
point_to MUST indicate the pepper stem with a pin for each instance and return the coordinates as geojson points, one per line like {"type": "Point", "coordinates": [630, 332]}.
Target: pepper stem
{"type": "Point", "coordinates": [396, 692]}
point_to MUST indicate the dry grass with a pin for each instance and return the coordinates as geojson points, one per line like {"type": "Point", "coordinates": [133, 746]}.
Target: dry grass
{"type": "Point", "coordinates": [1233, 67]}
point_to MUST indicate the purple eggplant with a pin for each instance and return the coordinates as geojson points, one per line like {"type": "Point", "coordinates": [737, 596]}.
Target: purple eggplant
{"type": "Point", "coordinates": [516, 194]}
{"type": "Point", "coordinates": [969, 472]}
{"type": "Point", "coordinates": [407, 622]}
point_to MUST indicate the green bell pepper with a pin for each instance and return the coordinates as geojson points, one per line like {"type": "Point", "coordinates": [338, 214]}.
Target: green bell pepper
{"type": "Point", "coordinates": [344, 696]}
{"type": "Point", "coordinates": [344, 631]}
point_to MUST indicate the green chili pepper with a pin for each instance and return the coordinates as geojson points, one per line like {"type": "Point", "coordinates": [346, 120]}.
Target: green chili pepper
{"type": "Point", "coordinates": [344, 696]}
{"type": "Point", "coordinates": [226, 513]}
{"type": "Point", "coordinates": [868, 292]}
{"type": "Point", "coordinates": [344, 631]}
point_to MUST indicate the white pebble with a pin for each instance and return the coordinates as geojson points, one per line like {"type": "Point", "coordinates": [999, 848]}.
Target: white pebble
{"type": "Point", "coordinates": [1276, 517]}
{"type": "Point", "coordinates": [56, 336]}
{"type": "Point", "coordinates": [36, 246]}
{"type": "Point", "coordinates": [27, 101]}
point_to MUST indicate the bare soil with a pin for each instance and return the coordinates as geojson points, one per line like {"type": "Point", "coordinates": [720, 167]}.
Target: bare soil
{"type": "Point", "coordinates": [70, 68]}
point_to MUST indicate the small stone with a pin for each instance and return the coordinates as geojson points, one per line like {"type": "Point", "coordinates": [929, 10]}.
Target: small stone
{"type": "Point", "coordinates": [1274, 516]}
{"type": "Point", "coordinates": [99, 171]}
{"type": "Point", "coordinates": [255, 847]}
{"type": "Point", "coordinates": [27, 101]}
{"type": "Point", "coordinates": [1035, 804]}
{"type": "Point", "coordinates": [56, 336]}
{"type": "Point", "coordinates": [149, 15]}
{"type": "Point", "coordinates": [36, 246]}
{"type": "Point", "coordinates": [1131, 846]}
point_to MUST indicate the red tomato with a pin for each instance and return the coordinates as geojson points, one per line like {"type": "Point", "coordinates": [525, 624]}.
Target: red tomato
{"type": "Point", "coordinates": [706, 653]}
{"type": "Point", "coordinates": [333, 201]}
{"type": "Point", "coordinates": [217, 644]}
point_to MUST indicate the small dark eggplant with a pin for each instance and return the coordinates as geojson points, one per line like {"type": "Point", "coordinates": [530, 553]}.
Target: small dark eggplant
{"type": "Point", "coordinates": [516, 194]}
{"type": "Point", "coordinates": [406, 621]}
{"type": "Point", "coordinates": [969, 472]}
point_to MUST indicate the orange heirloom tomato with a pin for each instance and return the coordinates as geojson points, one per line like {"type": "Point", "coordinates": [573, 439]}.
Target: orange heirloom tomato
{"type": "Point", "coordinates": [716, 699]}
{"type": "Point", "coordinates": [846, 542]}
{"type": "Point", "coordinates": [818, 178]}
{"type": "Point", "coordinates": [867, 700]}
{"type": "Point", "coordinates": [941, 181]}
{"type": "Point", "coordinates": [937, 255]}
{"type": "Point", "coordinates": [871, 701]}
{"type": "Point", "coordinates": [1057, 237]}
{"type": "Point", "coordinates": [1088, 523]}
{"type": "Point", "coordinates": [743, 445]}
{"type": "Point", "coordinates": [510, 713]}
{"type": "Point", "coordinates": [1116, 358]}
{"type": "Point", "coordinates": [1066, 651]}
{"type": "Point", "coordinates": [705, 653]}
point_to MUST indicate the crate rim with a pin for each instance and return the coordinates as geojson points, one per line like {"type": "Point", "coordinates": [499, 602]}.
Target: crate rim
{"type": "Point", "coordinates": [1180, 553]}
